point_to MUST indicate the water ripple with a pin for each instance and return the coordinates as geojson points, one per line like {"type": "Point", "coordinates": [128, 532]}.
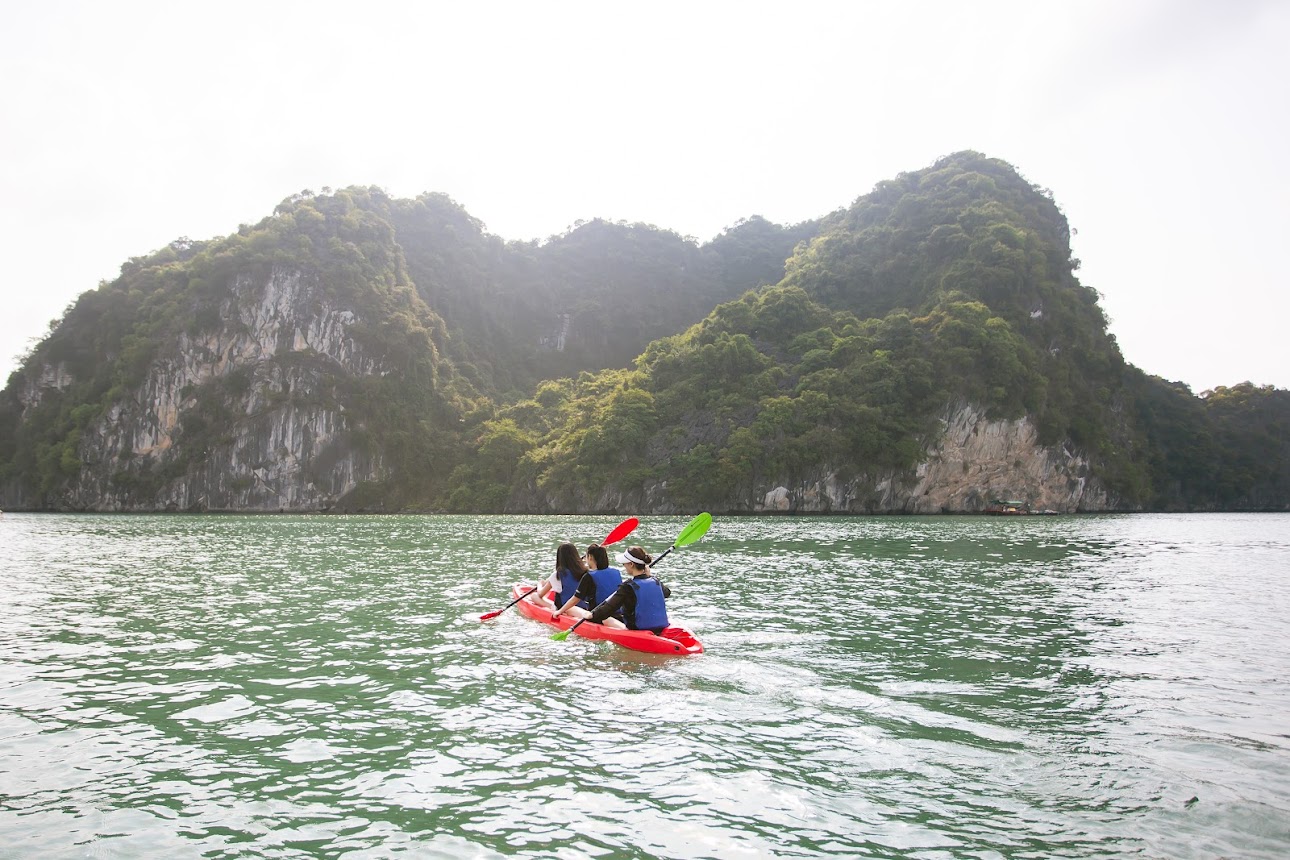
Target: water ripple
{"type": "Point", "coordinates": [892, 687]}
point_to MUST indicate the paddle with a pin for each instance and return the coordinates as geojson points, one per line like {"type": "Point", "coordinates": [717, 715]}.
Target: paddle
{"type": "Point", "coordinates": [620, 531]}
{"type": "Point", "coordinates": [694, 530]}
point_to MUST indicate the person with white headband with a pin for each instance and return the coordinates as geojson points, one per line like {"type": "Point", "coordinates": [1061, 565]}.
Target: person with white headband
{"type": "Point", "coordinates": [641, 600]}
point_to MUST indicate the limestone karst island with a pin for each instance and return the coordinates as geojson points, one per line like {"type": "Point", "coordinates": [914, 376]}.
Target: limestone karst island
{"type": "Point", "coordinates": [928, 349]}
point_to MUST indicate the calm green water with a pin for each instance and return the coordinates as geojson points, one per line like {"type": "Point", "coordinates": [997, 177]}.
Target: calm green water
{"type": "Point", "coordinates": [886, 687]}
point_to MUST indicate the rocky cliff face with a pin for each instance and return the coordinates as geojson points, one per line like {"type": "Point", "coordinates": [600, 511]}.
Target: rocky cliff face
{"type": "Point", "coordinates": [975, 460]}
{"type": "Point", "coordinates": [283, 443]}
{"type": "Point", "coordinates": [52, 377]}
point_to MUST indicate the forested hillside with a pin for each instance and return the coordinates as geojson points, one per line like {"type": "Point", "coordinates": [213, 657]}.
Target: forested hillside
{"type": "Point", "coordinates": [101, 372]}
{"type": "Point", "coordinates": [588, 299]}
{"type": "Point", "coordinates": [924, 349]}
{"type": "Point", "coordinates": [951, 285]}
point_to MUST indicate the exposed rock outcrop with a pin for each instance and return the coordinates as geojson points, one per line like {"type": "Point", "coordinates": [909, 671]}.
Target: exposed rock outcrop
{"type": "Point", "coordinates": [974, 461]}
{"type": "Point", "coordinates": [52, 377]}
{"type": "Point", "coordinates": [284, 443]}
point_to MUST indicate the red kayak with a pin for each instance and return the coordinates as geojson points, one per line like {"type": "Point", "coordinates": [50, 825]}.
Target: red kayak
{"type": "Point", "coordinates": [673, 640]}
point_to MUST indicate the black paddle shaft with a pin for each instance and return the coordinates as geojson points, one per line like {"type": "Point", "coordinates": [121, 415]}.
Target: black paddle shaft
{"type": "Point", "coordinates": [521, 597]}
{"type": "Point", "coordinates": [509, 605]}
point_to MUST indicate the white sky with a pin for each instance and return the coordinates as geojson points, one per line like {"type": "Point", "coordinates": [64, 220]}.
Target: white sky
{"type": "Point", "coordinates": [1161, 128]}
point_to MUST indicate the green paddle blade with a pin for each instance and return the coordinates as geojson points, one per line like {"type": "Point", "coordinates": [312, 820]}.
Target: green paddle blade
{"type": "Point", "coordinates": [697, 528]}
{"type": "Point", "coordinates": [564, 634]}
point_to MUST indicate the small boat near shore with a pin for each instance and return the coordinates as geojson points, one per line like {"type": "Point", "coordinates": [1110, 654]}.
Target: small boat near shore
{"type": "Point", "coordinates": [1002, 508]}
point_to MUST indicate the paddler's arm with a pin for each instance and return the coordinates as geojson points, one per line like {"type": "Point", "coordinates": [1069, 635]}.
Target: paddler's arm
{"type": "Point", "coordinates": [586, 591]}
{"type": "Point", "coordinates": [572, 601]}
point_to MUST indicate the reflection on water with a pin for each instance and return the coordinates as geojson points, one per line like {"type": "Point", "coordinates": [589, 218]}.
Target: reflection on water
{"type": "Point", "coordinates": [914, 687]}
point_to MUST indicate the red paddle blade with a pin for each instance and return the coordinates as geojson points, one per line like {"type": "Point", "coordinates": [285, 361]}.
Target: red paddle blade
{"type": "Point", "coordinates": [488, 615]}
{"type": "Point", "coordinates": [621, 531]}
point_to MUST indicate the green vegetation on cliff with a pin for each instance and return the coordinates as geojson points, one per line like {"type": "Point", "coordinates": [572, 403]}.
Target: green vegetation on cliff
{"type": "Point", "coordinates": [110, 338]}
{"type": "Point", "coordinates": [1227, 451]}
{"type": "Point", "coordinates": [953, 284]}
{"type": "Point", "coordinates": [591, 298]}
{"type": "Point", "coordinates": [970, 229]}
{"type": "Point", "coordinates": [623, 361]}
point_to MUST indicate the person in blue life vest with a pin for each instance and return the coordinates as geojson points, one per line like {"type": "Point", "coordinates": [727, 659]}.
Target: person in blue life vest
{"type": "Point", "coordinates": [641, 600]}
{"type": "Point", "coordinates": [596, 586]}
{"type": "Point", "coordinates": [563, 582]}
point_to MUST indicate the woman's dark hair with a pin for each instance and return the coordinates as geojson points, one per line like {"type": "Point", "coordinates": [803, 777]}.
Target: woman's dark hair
{"type": "Point", "coordinates": [641, 554]}
{"type": "Point", "coordinates": [566, 558]}
{"type": "Point", "coordinates": [598, 555]}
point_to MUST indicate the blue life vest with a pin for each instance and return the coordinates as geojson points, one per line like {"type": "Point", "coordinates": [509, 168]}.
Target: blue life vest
{"type": "Point", "coordinates": [651, 613]}
{"type": "Point", "coordinates": [568, 587]}
{"type": "Point", "coordinates": [607, 582]}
